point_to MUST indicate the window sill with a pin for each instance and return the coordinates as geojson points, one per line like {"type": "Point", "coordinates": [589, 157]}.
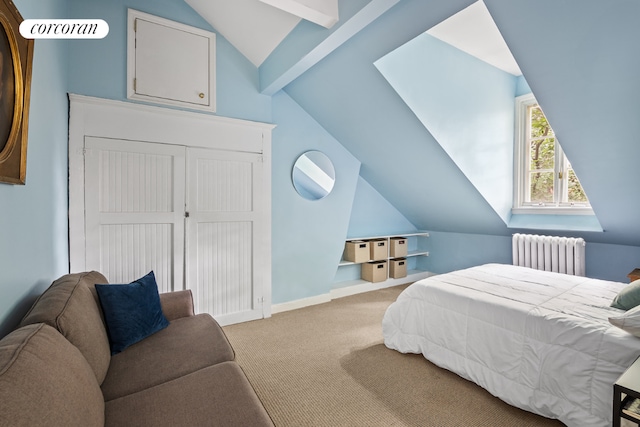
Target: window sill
{"type": "Point", "coordinates": [555, 222]}
{"type": "Point", "coordinates": [552, 210]}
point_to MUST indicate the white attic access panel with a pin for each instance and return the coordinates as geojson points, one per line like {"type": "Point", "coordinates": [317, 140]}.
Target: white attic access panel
{"type": "Point", "coordinates": [170, 63]}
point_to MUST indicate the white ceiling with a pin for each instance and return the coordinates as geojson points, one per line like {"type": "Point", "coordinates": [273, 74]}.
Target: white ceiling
{"type": "Point", "coordinates": [473, 31]}
{"type": "Point", "coordinates": [256, 27]}
{"type": "Point", "coordinates": [252, 27]}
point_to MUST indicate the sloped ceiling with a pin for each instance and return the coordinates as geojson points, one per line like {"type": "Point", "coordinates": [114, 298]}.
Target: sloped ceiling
{"type": "Point", "coordinates": [253, 27]}
{"type": "Point", "coordinates": [473, 31]}
{"type": "Point", "coordinates": [582, 66]}
{"type": "Point", "coordinates": [257, 27]}
{"type": "Point", "coordinates": [460, 80]}
{"type": "Point", "coordinates": [579, 58]}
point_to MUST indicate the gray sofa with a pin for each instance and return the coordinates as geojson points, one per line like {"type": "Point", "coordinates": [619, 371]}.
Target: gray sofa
{"type": "Point", "coordinates": [56, 368]}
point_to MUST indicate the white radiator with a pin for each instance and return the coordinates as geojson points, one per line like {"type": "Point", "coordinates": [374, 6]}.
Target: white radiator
{"type": "Point", "coordinates": [549, 253]}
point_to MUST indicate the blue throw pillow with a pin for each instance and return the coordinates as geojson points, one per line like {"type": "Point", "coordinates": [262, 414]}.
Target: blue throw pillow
{"type": "Point", "coordinates": [132, 312]}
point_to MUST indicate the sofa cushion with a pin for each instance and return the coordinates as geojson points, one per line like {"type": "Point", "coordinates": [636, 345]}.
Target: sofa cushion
{"type": "Point", "coordinates": [70, 305]}
{"type": "Point", "coordinates": [218, 395]}
{"type": "Point", "coordinates": [186, 345]}
{"type": "Point", "coordinates": [132, 312]}
{"type": "Point", "coordinates": [45, 381]}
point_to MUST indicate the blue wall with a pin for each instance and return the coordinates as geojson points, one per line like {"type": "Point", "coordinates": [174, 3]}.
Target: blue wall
{"type": "Point", "coordinates": [373, 215]}
{"type": "Point", "coordinates": [33, 247]}
{"type": "Point", "coordinates": [468, 107]}
{"type": "Point", "coordinates": [33, 217]}
{"type": "Point", "coordinates": [308, 236]}
{"type": "Point", "coordinates": [387, 162]}
{"type": "Point", "coordinates": [432, 191]}
{"type": "Point", "coordinates": [99, 67]}
{"type": "Point", "coordinates": [586, 81]}
{"type": "Point", "coordinates": [451, 251]}
{"type": "Point", "coordinates": [350, 98]}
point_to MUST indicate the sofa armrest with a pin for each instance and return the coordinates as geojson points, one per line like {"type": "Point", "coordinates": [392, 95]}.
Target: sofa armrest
{"type": "Point", "coordinates": [177, 304]}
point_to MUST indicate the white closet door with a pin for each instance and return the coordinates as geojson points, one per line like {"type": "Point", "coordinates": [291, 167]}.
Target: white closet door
{"type": "Point", "coordinates": [134, 210]}
{"type": "Point", "coordinates": [225, 211]}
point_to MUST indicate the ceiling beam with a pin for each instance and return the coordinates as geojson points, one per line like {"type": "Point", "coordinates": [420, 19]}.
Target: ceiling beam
{"type": "Point", "coordinates": [283, 66]}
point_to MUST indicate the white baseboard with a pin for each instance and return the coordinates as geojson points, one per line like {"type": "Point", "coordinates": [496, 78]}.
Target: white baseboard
{"type": "Point", "coordinates": [300, 303]}
{"type": "Point", "coordinates": [358, 289]}
{"type": "Point", "coordinates": [369, 286]}
{"type": "Point", "coordinates": [345, 292]}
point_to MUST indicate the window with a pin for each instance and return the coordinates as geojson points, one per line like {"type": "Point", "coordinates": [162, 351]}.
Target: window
{"type": "Point", "coordinates": [544, 179]}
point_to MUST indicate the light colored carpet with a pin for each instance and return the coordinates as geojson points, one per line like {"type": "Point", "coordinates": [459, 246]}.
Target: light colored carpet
{"type": "Point", "coordinates": [326, 365]}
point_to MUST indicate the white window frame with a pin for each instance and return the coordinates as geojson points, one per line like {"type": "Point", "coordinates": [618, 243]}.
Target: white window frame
{"type": "Point", "coordinates": [521, 175]}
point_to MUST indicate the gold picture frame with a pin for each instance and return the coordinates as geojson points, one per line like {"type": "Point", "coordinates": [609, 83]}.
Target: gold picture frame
{"type": "Point", "coordinates": [16, 57]}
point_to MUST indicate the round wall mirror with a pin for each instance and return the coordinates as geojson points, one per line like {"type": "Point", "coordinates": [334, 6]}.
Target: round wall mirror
{"type": "Point", "coordinates": [313, 175]}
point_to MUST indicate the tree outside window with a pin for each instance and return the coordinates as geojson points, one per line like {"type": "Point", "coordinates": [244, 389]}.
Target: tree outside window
{"type": "Point", "coordinates": [545, 178]}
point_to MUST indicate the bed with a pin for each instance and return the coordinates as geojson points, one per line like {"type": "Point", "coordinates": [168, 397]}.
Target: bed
{"type": "Point", "coordinates": [538, 340]}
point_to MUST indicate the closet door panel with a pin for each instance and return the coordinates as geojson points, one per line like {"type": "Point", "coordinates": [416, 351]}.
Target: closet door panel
{"type": "Point", "coordinates": [221, 227]}
{"type": "Point", "coordinates": [129, 251]}
{"type": "Point", "coordinates": [134, 196]}
{"type": "Point", "coordinates": [224, 278]}
{"type": "Point", "coordinates": [223, 183]}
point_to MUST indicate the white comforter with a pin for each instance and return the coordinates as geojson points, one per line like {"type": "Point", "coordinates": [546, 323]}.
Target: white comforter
{"type": "Point", "coordinates": [537, 340]}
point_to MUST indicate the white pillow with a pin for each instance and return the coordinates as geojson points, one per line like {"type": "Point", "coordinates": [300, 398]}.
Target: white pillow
{"type": "Point", "coordinates": [629, 321]}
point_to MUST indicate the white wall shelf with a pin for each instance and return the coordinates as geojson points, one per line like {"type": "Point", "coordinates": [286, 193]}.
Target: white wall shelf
{"type": "Point", "coordinates": [409, 254]}
{"type": "Point", "coordinates": [348, 277]}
